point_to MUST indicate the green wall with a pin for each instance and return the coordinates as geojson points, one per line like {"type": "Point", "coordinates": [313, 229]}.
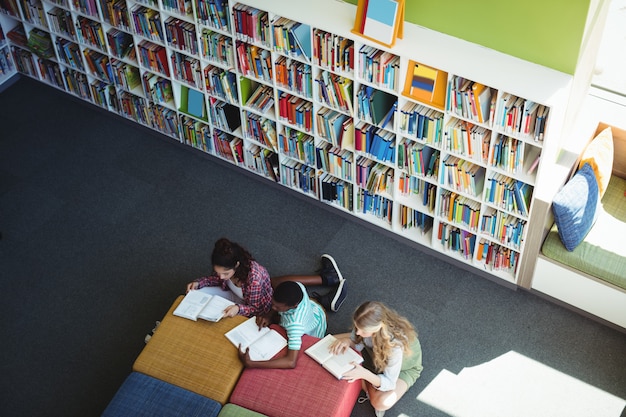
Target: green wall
{"type": "Point", "coordinates": [547, 32]}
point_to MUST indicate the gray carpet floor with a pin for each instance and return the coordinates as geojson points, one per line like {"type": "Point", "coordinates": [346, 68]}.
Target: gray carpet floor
{"type": "Point", "coordinates": [104, 222]}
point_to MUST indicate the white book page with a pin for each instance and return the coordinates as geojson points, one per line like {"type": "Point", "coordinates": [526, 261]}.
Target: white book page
{"type": "Point", "coordinates": [192, 304]}
{"type": "Point", "coordinates": [246, 333]}
{"type": "Point", "coordinates": [342, 363]}
{"type": "Point", "coordinates": [320, 351]}
{"type": "Point", "coordinates": [335, 364]}
{"type": "Point", "coordinates": [214, 310]}
{"type": "Point", "coordinates": [267, 346]}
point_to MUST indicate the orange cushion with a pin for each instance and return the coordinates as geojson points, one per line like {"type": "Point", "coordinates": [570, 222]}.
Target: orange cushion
{"type": "Point", "coordinates": [194, 355]}
{"type": "Point", "coordinates": [599, 154]}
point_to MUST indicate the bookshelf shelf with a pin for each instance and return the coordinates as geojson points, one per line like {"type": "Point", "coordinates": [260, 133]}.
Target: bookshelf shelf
{"type": "Point", "coordinates": [439, 144]}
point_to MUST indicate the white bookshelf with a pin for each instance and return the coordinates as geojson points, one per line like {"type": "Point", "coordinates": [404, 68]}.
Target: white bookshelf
{"type": "Point", "coordinates": [248, 116]}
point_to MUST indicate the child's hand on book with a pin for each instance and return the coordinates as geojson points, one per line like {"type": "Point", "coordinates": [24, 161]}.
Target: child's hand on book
{"type": "Point", "coordinates": [244, 356]}
{"type": "Point", "coordinates": [358, 372]}
{"type": "Point", "coordinates": [231, 311]}
{"type": "Point", "coordinates": [339, 346]}
{"type": "Point", "coordinates": [263, 321]}
{"type": "Point", "coordinates": [192, 286]}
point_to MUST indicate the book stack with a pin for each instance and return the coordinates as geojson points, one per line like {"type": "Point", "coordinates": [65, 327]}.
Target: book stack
{"type": "Point", "coordinates": [40, 43]}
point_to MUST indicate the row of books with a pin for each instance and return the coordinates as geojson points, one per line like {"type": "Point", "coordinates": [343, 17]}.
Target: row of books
{"type": "Point", "coordinates": [294, 75]}
{"type": "Point", "coordinates": [459, 209]}
{"type": "Point", "coordinates": [509, 194]}
{"type": "Point", "coordinates": [520, 116]}
{"type": "Point", "coordinates": [121, 44]}
{"type": "Point", "coordinates": [335, 127]}
{"type": "Point", "coordinates": [495, 257]}
{"type": "Point", "coordinates": [147, 23]}
{"type": "Point", "coordinates": [376, 142]}
{"type": "Point", "coordinates": [154, 57]}
{"type": "Point", "coordinates": [296, 111]}
{"type": "Point", "coordinates": [336, 191]}
{"type": "Point", "coordinates": [292, 38]}
{"type": "Point", "coordinates": [379, 67]}
{"type": "Point", "coordinates": [116, 14]}
{"type": "Point", "coordinates": [333, 52]}
{"type": "Point", "coordinates": [457, 240]}
{"type": "Point", "coordinates": [298, 145]}
{"type": "Point", "coordinates": [252, 25]}
{"type": "Point", "coordinates": [261, 99]}
{"type": "Point", "coordinates": [419, 160]}
{"type": "Point", "coordinates": [261, 129]}
{"type": "Point", "coordinates": [181, 35]}
{"type": "Point", "coordinates": [133, 107]}
{"type": "Point", "coordinates": [87, 7]}
{"type": "Point", "coordinates": [69, 53]}
{"type": "Point", "coordinates": [508, 229]}
{"type": "Point", "coordinates": [213, 13]}
{"type": "Point", "coordinates": [462, 175]}
{"type": "Point", "coordinates": [471, 100]}
{"type": "Point", "coordinates": [98, 65]}
{"type": "Point", "coordinates": [90, 32]}
{"type": "Point", "coordinates": [217, 47]}
{"type": "Point", "coordinates": [375, 205]}
{"type": "Point", "coordinates": [221, 83]}
{"type": "Point", "coordinates": [195, 133]}
{"type": "Point", "coordinates": [61, 22]}
{"type": "Point", "coordinates": [228, 146]}
{"type": "Point", "coordinates": [77, 83]}
{"type": "Point", "coordinates": [334, 160]}
{"type": "Point", "coordinates": [414, 219]}
{"type": "Point", "coordinates": [335, 91]}
{"type": "Point", "coordinates": [421, 122]}
{"type": "Point", "coordinates": [254, 61]}
{"type": "Point", "coordinates": [125, 75]}
{"type": "Point", "coordinates": [376, 178]}
{"type": "Point", "coordinates": [34, 13]}
{"type": "Point", "coordinates": [376, 106]}
{"type": "Point", "coordinates": [297, 175]}
{"type": "Point", "coordinates": [181, 7]}
{"type": "Point", "coordinates": [262, 161]}
{"type": "Point", "coordinates": [409, 185]}
{"type": "Point", "coordinates": [507, 154]}
{"type": "Point", "coordinates": [186, 69]}
{"type": "Point", "coordinates": [224, 116]}
{"type": "Point", "coordinates": [467, 139]}
{"type": "Point", "coordinates": [165, 120]}
{"type": "Point", "coordinates": [49, 70]}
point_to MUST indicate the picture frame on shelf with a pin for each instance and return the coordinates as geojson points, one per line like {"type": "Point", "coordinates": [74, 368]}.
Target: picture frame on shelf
{"type": "Point", "coordinates": [381, 21]}
{"type": "Point", "coordinates": [426, 84]}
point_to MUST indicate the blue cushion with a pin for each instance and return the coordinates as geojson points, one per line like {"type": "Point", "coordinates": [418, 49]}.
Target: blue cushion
{"type": "Point", "coordinates": [575, 207]}
{"type": "Point", "coordinates": [142, 395]}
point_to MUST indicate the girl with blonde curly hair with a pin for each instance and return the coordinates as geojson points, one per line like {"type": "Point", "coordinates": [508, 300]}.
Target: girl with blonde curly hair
{"type": "Point", "coordinates": [392, 353]}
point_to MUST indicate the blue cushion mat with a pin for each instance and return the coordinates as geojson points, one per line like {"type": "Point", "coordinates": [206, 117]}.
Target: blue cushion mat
{"type": "Point", "coordinates": [142, 395]}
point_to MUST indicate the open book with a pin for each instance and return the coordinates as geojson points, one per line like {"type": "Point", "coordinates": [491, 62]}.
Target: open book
{"type": "Point", "coordinates": [335, 364]}
{"type": "Point", "coordinates": [200, 305]}
{"type": "Point", "coordinates": [263, 343]}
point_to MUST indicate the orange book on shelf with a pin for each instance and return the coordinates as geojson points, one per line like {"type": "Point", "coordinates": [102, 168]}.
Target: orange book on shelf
{"type": "Point", "coordinates": [381, 21]}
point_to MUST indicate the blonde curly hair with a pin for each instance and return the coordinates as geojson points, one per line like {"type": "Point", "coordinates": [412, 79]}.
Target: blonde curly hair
{"type": "Point", "coordinates": [388, 329]}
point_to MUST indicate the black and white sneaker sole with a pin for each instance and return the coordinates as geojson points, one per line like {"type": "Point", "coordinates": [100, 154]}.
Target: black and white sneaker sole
{"type": "Point", "coordinates": [339, 297]}
{"type": "Point", "coordinates": [332, 261]}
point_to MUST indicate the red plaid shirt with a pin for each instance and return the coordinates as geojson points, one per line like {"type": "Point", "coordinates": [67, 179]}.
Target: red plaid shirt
{"type": "Point", "coordinates": [257, 292]}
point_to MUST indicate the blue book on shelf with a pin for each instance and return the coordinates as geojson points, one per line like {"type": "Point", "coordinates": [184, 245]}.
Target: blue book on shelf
{"type": "Point", "coordinates": [195, 103]}
{"type": "Point", "coordinates": [302, 35]}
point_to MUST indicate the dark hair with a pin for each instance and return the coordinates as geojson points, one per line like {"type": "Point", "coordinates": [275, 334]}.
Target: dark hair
{"type": "Point", "coordinates": [288, 293]}
{"type": "Point", "coordinates": [226, 254]}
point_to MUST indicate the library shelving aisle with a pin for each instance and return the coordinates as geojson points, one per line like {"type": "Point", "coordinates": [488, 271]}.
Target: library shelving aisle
{"type": "Point", "coordinates": [437, 140]}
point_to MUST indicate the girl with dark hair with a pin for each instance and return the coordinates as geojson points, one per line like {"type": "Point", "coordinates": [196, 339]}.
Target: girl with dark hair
{"type": "Point", "coordinates": [238, 277]}
{"type": "Point", "coordinates": [391, 351]}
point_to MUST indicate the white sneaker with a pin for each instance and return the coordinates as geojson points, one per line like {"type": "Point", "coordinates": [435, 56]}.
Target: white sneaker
{"type": "Point", "coordinates": [379, 413]}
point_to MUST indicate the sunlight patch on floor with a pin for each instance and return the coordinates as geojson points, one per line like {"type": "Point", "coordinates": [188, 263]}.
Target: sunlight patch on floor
{"type": "Point", "coordinates": [513, 385]}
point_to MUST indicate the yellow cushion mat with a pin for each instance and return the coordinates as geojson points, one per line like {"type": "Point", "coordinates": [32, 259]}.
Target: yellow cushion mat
{"type": "Point", "coordinates": [194, 355]}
